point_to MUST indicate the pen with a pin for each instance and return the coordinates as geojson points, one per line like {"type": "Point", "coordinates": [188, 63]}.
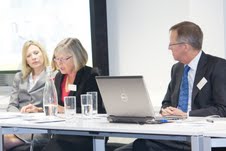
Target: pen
{"type": "Point", "coordinates": [210, 120]}
{"type": "Point", "coordinates": [164, 121]}
{"type": "Point", "coordinates": [160, 121]}
{"type": "Point", "coordinates": [157, 121]}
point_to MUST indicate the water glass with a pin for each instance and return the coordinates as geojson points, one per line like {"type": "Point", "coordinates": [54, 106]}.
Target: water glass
{"type": "Point", "coordinates": [50, 109]}
{"type": "Point", "coordinates": [95, 102]}
{"type": "Point", "coordinates": [86, 103]}
{"type": "Point", "coordinates": [69, 106]}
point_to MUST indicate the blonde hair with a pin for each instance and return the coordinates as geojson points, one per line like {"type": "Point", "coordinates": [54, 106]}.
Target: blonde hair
{"type": "Point", "coordinates": [26, 69]}
{"type": "Point", "coordinates": [75, 48]}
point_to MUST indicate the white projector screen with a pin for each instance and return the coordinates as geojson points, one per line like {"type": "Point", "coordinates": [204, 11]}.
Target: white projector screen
{"type": "Point", "coordinates": [47, 21]}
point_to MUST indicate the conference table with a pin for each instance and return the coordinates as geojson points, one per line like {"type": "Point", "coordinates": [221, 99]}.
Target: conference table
{"type": "Point", "coordinates": [215, 136]}
{"type": "Point", "coordinates": [97, 127]}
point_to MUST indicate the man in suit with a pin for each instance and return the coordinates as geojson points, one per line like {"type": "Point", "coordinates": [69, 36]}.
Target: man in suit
{"type": "Point", "coordinates": [206, 80]}
{"type": "Point", "coordinates": [206, 77]}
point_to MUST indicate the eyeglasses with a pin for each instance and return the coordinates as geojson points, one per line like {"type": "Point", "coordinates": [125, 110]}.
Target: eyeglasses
{"type": "Point", "coordinates": [62, 59]}
{"type": "Point", "coordinates": [179, 43]}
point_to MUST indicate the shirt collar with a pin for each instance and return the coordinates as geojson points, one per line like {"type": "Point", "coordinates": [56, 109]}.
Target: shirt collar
{"type": "Point", "coordinates": [194, 63]}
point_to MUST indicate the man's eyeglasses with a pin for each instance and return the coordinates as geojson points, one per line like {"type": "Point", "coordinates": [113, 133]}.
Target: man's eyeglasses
{"type": "Point", "coordinates": [179, 43]}
{"type": "Point", "coordinates": [61, 59]}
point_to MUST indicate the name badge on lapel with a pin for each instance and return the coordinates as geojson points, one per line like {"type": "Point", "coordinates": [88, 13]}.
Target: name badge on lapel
{"type": "Point", "coordinates": [201, 83]}
{"type": "Point", "coordinates": [72, 87]}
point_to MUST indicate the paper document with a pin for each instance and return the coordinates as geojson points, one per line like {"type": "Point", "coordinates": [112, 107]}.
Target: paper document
{"type": "Point", "coordinates": [8, 115]}
{"type": "Point", "coordinates": [43, 119]}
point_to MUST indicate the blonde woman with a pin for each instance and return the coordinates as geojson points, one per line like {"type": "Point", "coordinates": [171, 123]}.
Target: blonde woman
{"type": "Point", "coordinates": [28, 85]}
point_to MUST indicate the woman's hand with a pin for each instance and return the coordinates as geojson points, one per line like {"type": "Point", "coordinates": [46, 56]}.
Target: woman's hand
{"type": "Point", "coordinates": [60, 109]}
{"type": "Point", "coordinates": [30, 108]}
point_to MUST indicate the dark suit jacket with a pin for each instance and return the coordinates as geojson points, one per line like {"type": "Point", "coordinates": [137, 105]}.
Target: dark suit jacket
{"type": "Point", "coordinates": [211, 99]}
{"type": "Point", "coordinates": [85, 82]}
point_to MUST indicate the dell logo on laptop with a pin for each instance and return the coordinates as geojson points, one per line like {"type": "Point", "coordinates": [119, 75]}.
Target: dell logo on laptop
{"type": "Point", "coordinates": [124, 97]}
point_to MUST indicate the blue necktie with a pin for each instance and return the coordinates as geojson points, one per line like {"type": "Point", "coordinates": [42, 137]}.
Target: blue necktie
{"type": "Point", "coordinates": [183, 96]}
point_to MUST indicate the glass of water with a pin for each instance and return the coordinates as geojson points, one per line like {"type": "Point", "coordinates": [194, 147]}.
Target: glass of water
{"type": "Point", "coordinates": [87, 106]}
{"type": "Point", "coordinates": [69, 106]}
{"type": "Point", "coordinates": [50, 109]}
{"type": "Point", "coordinates": [95, 102]}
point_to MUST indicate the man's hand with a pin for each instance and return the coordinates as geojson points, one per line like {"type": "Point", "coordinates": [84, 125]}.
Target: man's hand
{"type": "Point", "coordinates": [172, 111]}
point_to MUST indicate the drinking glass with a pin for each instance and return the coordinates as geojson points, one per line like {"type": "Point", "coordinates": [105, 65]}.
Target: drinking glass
{"type": "Point", "coordinates": [69, 106]}
{"type": "Point", "coordinates": [95, 102]}
{"type": "Point", "coordinates": [86, 103]}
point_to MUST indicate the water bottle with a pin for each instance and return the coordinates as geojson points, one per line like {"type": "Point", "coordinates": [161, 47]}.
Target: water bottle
{"type": "Point", "coordinates": [50, 99]}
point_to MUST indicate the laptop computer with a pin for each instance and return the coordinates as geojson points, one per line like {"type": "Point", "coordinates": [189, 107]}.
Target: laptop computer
{"type": "Point", "coordinates": [126, 99]}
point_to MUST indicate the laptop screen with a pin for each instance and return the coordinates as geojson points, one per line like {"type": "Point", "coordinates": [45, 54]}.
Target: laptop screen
{"type": "Point", "coordinates": [125, 96]}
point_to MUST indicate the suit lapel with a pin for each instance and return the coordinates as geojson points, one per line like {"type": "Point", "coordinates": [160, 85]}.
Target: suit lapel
{"type": "Point", "coordinates": [200, 72]}
{"type": "Point", "coordinates": [77, 83]}
{"type": "Point", "coordinates": [24, 85]}
{"type": "Point", "coordinates": [40, 82]}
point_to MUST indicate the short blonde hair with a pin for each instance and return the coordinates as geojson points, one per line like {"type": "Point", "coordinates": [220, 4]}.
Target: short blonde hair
{"type": "Point", "coordinates": [26, 69]}
{"type": "Point", "coordinates": [75, 48]}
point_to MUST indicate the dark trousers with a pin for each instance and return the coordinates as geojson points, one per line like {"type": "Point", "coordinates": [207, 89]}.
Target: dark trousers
{"type": "Point", "coordinates": [163, 145]}
{"type": "Point", "coordinates": [69, 143]}
{"type": "Point", "coordinates": [160, 145]}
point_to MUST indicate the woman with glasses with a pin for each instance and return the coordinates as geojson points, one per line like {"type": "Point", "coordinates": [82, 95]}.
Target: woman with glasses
{"type": "Point", "coordinates": [28, 85]}
{"type": "Point", "coordinates": [73, 79]}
